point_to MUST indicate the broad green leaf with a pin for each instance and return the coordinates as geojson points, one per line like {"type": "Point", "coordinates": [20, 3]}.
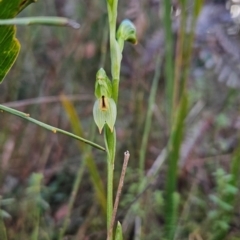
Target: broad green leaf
{"type": "Point", "coordinates": [9, 45]}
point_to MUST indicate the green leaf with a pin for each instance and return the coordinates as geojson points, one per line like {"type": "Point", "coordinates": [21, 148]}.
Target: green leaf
{"type": "Point", "coordinates": [5, 215]}
{"type": "Point", "coordinates": [119, 235]}
{"type": "Point", "coordinates": [222, 204]}
{"type": "Point", "coordinates": [222, 225]}
{"type": "Point", "coordinates": [9, 45]}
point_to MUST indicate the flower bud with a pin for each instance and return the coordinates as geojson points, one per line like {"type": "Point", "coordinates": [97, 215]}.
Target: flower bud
{"type": "Point", "coordinates": [103, 86]}
{"type": "Point", "coordinates": [126, 32]}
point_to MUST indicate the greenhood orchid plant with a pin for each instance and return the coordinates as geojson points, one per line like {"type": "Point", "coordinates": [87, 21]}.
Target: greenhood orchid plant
{"type": "Point", "coordinates": [106, 92]}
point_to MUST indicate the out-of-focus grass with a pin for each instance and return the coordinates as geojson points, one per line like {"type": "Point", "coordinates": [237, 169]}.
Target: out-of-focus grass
{"type": "Point", "coordinates": [54, 61]}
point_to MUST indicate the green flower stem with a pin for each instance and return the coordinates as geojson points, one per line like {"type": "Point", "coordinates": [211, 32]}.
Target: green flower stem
{"type": "Point", "coordinates": [114, 47]}
{"type": "Point", "coordinates": [48, 127]}
{"type": "Point", "coordinates": [110, 169]}
{"type": "Point", "coordinates": [116, 203]}
{"type": "Point", "coordinates": [110, 142]}
{"type": "Point", "coordinates": [52, 21]}
{"type": "Point", "coordinates": [115, 84]}
{"type": "Point", "coordinates": [110, 138]}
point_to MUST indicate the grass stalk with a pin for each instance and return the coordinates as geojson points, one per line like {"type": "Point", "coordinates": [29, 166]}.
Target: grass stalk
{"type": "Point", "coordinates": [148, 120]}
{"type": "Point", "coordinates": [50, 21]}
{"type": "Point", "coordinates": [187, 43]}
{"type": "Point", "coordinates": [72, 200]}
{"type": "Point", "coordinates": [48, 127]}
{"type": "Point", "coordinates": [177, 92]}
{"type": "Point", "coordinates": [173, 156]}
{"type": "Point", "coordinates": [179, 53]}
{"type": "Point", "coordinates": [169, 64]}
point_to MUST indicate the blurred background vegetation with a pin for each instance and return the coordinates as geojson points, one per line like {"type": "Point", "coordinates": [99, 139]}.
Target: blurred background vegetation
{"type": "Point", "coordinates": [39, 168]}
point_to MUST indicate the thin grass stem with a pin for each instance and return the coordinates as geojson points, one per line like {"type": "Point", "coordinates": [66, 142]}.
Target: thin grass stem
{"type": "Point", "coordinates": [148, 120]}
{"type": "Point", "coordinates": [50, 21]}
{"type": "Point", "coordinates": [173, 156]}
{"type": "Point", "coordinates": [48, 127]}
{"type": "Point", "coordinates": [169, 65]}
{"type": "Point", "coordinates": [72, 200]}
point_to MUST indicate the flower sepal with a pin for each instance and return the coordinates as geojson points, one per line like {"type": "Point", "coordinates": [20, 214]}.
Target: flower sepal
{"type": "Point", "coordinates": [105, 112]}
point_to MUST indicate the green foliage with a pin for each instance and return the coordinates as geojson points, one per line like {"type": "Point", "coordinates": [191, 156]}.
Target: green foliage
{"type": "Point", "coordinates": [225, 198]}
{"type": "Point", "coordinates": [220, 216]}
{"type": "Point", "coordinates": [10, 46]}
{"type": "Point", "coordinates": [189, 207]}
